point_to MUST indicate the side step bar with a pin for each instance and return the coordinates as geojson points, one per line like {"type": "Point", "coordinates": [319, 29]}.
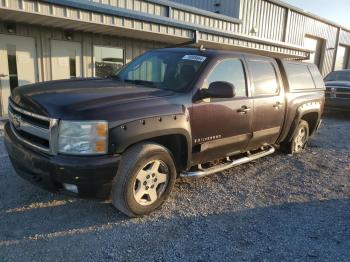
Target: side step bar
{"type": "Point", "coordinates": [232, 163]}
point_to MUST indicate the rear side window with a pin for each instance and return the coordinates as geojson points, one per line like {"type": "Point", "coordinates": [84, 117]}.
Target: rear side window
{"type": "Point", "coordinates": [264, 78]}
{"type": "Point", "coordinates": [299, 76]}
{"type": "Point", "coordinates": [230, 70]}
{"type": "Point", "coordinates": [316, 75]}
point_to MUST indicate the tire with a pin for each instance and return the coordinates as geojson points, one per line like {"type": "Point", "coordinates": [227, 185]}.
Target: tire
{"type": "Point", "coordinates": [144, 180]}
{"type": "Point", "coordinates": [300, 138]}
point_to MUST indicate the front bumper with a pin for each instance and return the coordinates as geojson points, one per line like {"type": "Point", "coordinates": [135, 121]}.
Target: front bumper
{"type": "Point", "coordinates": [92, 175]}
{"type": "Point", "coordinates": [336, 103]}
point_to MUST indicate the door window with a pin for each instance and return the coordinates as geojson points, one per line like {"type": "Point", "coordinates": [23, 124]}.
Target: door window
{"type": "Point", "coordinates": [264, 78]}
{"type": "Point", "coordinates": [231, 71]}
{"type": "Point", "coordinates": [108, 60]}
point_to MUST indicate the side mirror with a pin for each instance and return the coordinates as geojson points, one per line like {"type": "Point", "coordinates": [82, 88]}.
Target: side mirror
{"type": "Point", "coordinates": [219, 89]}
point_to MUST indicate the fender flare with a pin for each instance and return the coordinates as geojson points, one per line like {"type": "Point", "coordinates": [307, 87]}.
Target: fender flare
{"type": "Point", "coordinates": [136, 131]}
{"type": "Point", "coordinates": [302, 110]}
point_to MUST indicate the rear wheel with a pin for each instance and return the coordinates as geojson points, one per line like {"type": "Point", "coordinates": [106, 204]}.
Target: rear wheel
{"type": "Point", "coordinates": [144, 180]}
{"type": "Point", "coordinates": [300, 137]}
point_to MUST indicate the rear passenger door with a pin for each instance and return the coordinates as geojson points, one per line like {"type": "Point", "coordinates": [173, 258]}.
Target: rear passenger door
{"type": "Point", "coordinates": [269, 101]}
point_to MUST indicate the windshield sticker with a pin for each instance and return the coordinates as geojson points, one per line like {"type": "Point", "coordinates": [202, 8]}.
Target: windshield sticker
{"type": "Point", "coordinates": [194, 58]}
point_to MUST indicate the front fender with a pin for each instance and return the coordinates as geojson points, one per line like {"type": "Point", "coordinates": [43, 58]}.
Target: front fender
{"type": "Point", "coordinates": [130, 133]}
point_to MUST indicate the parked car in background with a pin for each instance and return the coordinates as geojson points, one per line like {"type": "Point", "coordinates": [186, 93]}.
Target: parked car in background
{"type": "Point", "coordinates": [169, 113]}
{"type": "Point", "coordinates": [338, 90]}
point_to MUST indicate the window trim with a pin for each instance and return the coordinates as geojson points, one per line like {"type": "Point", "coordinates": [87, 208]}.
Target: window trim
{"type": "Point", "coordinates": [278, 80]}
{"type": "Point", "coordinates": [246, 77]}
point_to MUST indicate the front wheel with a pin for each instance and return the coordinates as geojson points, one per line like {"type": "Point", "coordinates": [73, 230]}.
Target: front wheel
{"type": "Point", "coordinates": [300, 138]}
{"type": "Point", "coordinates": [144, 180]}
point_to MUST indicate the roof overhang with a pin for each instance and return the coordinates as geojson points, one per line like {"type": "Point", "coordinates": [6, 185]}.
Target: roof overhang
{"type": "Point", "coordinates": [101, 19]}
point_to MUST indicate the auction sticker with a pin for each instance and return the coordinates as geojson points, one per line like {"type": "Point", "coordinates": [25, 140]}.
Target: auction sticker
{"type": "Point", "coordinates": [194, 58]}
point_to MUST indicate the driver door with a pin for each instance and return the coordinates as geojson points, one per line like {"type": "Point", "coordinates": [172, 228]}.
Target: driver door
{"type": "Point", "coordinates": [222, 127]}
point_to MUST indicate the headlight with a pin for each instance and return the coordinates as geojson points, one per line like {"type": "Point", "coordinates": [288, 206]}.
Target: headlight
{"type": "Point", "coordinates": [83, 138]}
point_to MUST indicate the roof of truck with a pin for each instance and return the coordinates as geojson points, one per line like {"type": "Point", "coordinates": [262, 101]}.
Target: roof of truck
{"type": "Point", "coordinates": [217, 52]}
{"type": "Point", "coordinates": [208, 52]}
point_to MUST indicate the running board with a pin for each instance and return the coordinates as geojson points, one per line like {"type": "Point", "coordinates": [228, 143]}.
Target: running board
{"type": "Point", "coordinates": [219, 168]}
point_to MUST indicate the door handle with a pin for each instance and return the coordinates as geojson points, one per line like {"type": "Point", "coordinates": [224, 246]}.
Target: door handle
{"type": "Point", "coordinates": [278, 105]}
{"type": "Point", "coordinates": [244, 110]}
{"type": "Point", "coordinates": [3, 75]}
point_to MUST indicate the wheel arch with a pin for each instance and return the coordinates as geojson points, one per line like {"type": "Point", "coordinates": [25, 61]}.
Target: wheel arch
{"type": "Point", "coordinates": [310, 113]}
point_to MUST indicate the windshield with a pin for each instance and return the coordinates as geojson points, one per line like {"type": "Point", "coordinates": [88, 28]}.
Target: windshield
{"type": "Point", "coordinates": [338, 76]}
{"type": "Point", "coordinates": [163, 70]}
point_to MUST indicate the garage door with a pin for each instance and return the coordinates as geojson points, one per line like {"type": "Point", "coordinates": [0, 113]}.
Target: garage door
{"type": "Point", "coordinates": [17, 66]}
{"type": "Point", "coordinates": [342, 58]}
{"type": "Point", "coordinates": [317, 46]}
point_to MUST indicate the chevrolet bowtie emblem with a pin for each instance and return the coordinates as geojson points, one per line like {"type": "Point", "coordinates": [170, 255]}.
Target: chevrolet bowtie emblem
{"type": "Point", "coordinates": [16, 121]}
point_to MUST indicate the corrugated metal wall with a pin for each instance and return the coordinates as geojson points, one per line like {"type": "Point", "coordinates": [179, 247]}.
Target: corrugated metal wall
{"type": "Point", "coordinates": [136, 5]}
{"type": "Point", "coordinates": [265, 18]}
{"type": "Point", "coordinates": [225, 7]}
{"type": "Point", "coordinates": [276, 22]}
{"type": "Point", "coordinates": [181, 14]}
{"type": "Point", "coordinates": [301, 26]}
{"type": "Point", "coordinates": [206, 21]}
{"type": "Point", "coordinates": [344, 38]}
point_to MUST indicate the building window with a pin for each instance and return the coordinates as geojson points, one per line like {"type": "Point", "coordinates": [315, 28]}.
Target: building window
{"type": "Point", "coordinates": [342, 61]}
{"type": "Point", "coordinates": [316, 47]}
{"type": "Point", "coordinates": [108, 60]}
{"type": "Point", "coordinates": [12, 65]}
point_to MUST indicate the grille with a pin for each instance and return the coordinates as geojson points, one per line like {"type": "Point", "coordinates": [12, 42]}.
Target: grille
{"type": "Point", "coordinates": [343, 92]}
{"type": "Point", "coordinates": [36, 131]}
{"type": "Point", "coordinates": [336, 92]}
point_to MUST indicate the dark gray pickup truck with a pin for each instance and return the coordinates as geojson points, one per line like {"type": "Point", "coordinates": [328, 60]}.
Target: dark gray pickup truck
{"type": "Point", "coordinates": [169, 113]}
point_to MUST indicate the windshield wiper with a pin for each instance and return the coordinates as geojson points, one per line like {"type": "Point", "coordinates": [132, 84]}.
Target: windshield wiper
{"type": "Point", "coordinates": [115, 77]}
{"type": "Point", "coordinates": [141, 82]}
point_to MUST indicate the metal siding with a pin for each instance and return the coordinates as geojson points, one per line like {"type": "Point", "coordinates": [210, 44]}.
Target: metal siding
{"type": "Point", "coordinates": [136, 5]}
{"type": "Point", "coordinates": [344, 38]}
{"type": "Point", "coordinates": [268, 19]}
{"type": "Point", "coordinates": [301, 25]}
{"type": "Point", "coordinates": [227, 7]}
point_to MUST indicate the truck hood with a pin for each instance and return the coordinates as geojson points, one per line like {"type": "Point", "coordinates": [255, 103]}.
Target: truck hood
{"type": "Point", "coordinates": [87, 99]}
{"type": "Point", "coordinates": [345, 84]}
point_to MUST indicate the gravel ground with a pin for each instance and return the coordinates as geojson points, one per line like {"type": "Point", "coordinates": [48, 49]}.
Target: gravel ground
{"type": "Point", "coordinates": [279, 208]}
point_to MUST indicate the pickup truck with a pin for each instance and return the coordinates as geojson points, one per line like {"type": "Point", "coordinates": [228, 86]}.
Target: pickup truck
{"type": "Point", "coordinates": [174, 112]}
{"type": "Point", "coordinates": [338, 90]}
